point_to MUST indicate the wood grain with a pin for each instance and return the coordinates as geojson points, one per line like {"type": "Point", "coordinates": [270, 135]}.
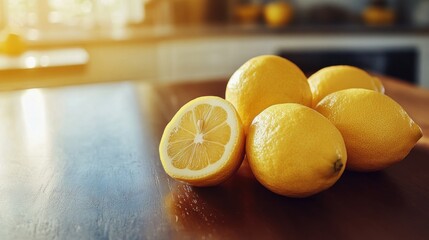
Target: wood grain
{"type": "Point", "coordinates": [82, 163]}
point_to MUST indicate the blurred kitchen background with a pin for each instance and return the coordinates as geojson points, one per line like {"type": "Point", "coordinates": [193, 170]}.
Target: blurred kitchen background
{"type": "Point", "coordinates": [62, 42]}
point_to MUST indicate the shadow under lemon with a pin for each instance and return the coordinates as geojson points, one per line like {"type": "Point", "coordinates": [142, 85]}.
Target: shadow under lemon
{"type": "Point", "coordinates": [243, 207]}
{"type": "Point", "coordinates": [211, 211]}
{"type": "Point", "coordinates": [239, 207]}
{"type": "Point", "coordinates": [245, 170]}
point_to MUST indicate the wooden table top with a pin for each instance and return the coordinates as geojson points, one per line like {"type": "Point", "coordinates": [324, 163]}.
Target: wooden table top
{"type": "Point", "coordinates": [82, 162]}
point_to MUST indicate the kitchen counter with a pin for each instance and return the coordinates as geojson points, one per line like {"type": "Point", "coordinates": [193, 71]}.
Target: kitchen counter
{"type": "Point", "coordinates": [168, 54]}
{"type": "Point", "coordinates": [162, 33]}
{"type": "Point", "coordinates": [81, 162]}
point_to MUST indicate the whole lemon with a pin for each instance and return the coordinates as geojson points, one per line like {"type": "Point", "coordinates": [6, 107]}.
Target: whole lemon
{"type": "Point", "coordinates": [377, 131]}
{"type": "Point", "coordinates": [294, 151]}
{"type": "Point", "coordinates": [334, 78]}
{"type": "Point", "coordinates": [264, 81]}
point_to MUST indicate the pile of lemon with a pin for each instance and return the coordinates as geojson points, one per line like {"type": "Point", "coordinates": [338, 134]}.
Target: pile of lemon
{"type": "Point", "coordinates": [297, 134]}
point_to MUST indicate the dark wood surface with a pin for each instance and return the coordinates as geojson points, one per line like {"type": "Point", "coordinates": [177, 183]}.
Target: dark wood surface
{"type": "Point", "coordinates": [82, 163]}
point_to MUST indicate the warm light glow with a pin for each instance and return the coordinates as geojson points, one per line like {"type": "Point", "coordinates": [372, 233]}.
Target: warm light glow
{"type": "Point", "coordinates": [30, 62]}
{"type": "Point", "coordinates": [29, 167]}
{"type": "Point", "coordinates": [83, 14]}
{"type": "Point", "coordinates": [33, 34]}
{"type": "Point", "coordinates": [34, 119]}
{"type": "Point", "coordinates": [44, 61]}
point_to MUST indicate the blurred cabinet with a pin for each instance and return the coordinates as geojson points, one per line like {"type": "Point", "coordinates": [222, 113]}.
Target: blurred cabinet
{"type": "Point", "coordinates": [206, 58]}
{"type": "Point", "coordinates": [120, 61]}
{"type": "Point", "coordinates": [218, 57]}
{"type": "Point", "coordinates": [194, 60]}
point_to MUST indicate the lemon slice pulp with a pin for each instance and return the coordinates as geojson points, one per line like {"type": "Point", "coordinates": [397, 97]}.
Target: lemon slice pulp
{"type": "Point", "coordinates": [204, 142]}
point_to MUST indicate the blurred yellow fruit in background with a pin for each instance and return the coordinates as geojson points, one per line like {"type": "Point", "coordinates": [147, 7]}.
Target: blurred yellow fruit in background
{"type": "Point", "coordinates": [376, 130]}
{"type": "Point", "coordinates": [12, 44]}
{"type": "Point", "coordinates": [264, 81]}
{"type": "Point", "coordinates": [294, 151]}
{"type": "Point", "coordinates": [334, 78]}
{"type": "Point", "coordinates": [374, 15]}
{"type": "Point", "coordinates": [278, 13]}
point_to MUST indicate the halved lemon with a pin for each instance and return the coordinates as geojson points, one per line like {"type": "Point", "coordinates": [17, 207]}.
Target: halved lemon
{"type": "Point", "coordinates": [203, 144]}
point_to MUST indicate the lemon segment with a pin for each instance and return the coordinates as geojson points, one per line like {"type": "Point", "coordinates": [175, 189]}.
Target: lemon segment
{"type": "Point", "coordinates": [204, 142]}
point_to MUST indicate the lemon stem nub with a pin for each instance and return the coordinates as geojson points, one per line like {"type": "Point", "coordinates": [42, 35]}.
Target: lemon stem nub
{"type": "Point", "coordinates": [338, 165]}
{"type": "Point", "coordinates": [200, 123]}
